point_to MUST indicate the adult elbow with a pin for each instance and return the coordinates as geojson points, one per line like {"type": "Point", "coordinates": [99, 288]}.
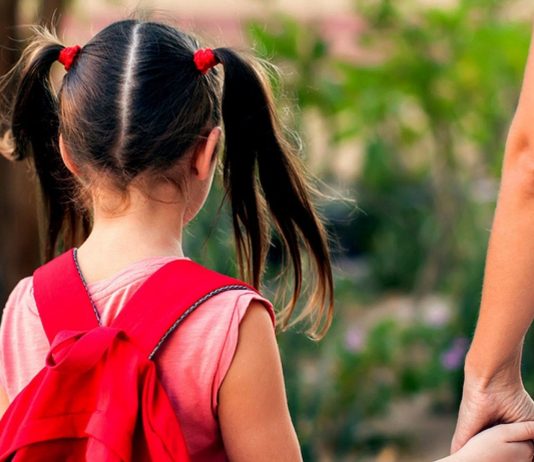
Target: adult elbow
{"type": "Point", "coordinates": [518, 165]}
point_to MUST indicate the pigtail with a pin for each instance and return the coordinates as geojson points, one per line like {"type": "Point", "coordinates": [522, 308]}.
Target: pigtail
{"type": "Point", "coordinates": [265, 179]}
{"type": "Point", "coordinates": [33, 133]}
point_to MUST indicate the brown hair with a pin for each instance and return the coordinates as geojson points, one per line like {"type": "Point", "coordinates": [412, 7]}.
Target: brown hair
{"type": "Point", "coordinates": [134, 102]}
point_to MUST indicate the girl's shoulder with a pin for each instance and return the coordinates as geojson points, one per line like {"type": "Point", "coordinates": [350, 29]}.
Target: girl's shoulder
{"type": "Point", "coordinates": [210, 334]}
{"type": "Point", "coordinates": [231, 304]}
{"type": "Point", "coordinates": [23, 343]}
{"type": "Point", "coordinates": [196, 358]}
{"type": "Point", "coordinates": [20, 300]}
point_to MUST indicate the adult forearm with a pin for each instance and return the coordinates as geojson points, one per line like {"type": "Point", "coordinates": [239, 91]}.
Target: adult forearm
{"type": "Point", "coordinates": [507, 307]}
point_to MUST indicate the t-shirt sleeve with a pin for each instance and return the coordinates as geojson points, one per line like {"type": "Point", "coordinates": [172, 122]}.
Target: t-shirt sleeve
{"type": "Point", "coordinates": [17, 319]}
{"type": "Point", "coordinates": [229, 346]}
{"type": "Point", "coordinates": [194, 360]}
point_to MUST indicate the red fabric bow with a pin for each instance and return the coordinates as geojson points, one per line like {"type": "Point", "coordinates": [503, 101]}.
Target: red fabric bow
{"type": "Point", "coordinates": [68, 55]}
{"type": "Point", "coordinates": [205, 59]}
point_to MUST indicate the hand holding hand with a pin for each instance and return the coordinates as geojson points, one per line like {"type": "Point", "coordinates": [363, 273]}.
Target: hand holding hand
{"type": "Point", "coordinates": [485, 406]}
{"type": "Point", "coordinates": [503, 443]}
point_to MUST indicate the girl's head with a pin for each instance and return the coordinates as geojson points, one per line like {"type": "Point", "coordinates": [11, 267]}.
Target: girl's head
{"type": "Point", "coordinates": [134, 106]}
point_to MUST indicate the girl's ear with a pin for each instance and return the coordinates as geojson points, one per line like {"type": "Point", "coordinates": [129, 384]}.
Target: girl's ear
{"type": "Point", "coordinates": [206, 154]}
{"type": "Point", "coordinates": [66, 156]}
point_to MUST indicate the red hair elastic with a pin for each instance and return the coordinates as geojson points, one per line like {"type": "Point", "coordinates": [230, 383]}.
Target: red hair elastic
{"type": "Point", "coordinates": [205, 59]}
{"type": "Point", "coordinates": [68, 55]}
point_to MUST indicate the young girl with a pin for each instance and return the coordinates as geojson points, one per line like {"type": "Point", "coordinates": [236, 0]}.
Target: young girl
{"type": "Point", "coordinates": [125, 155]}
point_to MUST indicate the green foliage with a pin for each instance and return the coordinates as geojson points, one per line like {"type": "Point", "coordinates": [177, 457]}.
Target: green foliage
{"type": "Point", "coordinates": [335, 389]}
{"type": "Point", "coordinates": [209, 237]}
{"type": "Point", "coordinates": [429, 107]}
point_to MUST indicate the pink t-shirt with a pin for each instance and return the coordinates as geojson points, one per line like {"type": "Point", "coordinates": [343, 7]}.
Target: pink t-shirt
{"type": "Point", "coordinates": [192, 363]}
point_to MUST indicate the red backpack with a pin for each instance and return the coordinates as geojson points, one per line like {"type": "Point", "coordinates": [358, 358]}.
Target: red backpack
{"type": "Point", "coordinates": [98, 398]}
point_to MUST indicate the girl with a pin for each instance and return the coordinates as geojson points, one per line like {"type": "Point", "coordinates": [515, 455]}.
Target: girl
{"type": "Point", "coordinates": [125, 155]}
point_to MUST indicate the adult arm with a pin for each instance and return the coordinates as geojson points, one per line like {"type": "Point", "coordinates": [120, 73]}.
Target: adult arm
{"type": "Point", "coordinates": [493, 390]}
{"type": "Point", "coordinates": [253, 411]}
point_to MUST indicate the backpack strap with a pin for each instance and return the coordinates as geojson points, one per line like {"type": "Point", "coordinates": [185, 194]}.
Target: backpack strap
{"type": "Point", "coordinates": [166, 298]}
{"type": "Point", "coordinates": [61, 297]}
{"type": "Point", "coordinates": [155, 310]}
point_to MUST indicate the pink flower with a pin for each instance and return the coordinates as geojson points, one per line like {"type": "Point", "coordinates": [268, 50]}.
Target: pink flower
{"type": "Point", "coordinates": [354, 340]}
{"type": "Point", "coordinates": [453, 358]}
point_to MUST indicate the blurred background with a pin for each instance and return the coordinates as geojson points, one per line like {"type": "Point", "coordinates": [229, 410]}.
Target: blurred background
{"type": "Point", "coordinates": [403, 108]}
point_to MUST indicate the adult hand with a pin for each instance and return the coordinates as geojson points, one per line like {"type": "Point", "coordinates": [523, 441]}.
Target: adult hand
{"type": "Point", "coordinates": [482, 406]}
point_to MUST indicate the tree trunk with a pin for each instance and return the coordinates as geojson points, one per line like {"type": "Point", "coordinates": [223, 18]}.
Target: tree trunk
{"type": "Point", "coordinates": [19, 241]}
{"type": "Point", "coordinates": [8, 49]}
{"type": "Point", "coordinates": [17, 216]}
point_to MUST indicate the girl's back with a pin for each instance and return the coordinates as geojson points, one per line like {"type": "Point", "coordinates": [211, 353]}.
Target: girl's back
{"type": "Point", "coordinates": [192, 364]}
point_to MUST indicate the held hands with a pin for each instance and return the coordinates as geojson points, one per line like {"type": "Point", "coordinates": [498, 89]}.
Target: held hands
{"type": "Point", "coordinates": [481, 407]}
{"type": "Point", "coordinates": [503, 443]}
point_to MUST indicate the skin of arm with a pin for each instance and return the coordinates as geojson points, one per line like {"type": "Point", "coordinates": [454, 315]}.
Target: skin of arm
{"type": "Point", "coordinates": [507, 307]}
{"type": "Point", "coordinates": [253, 411]}
{"type": "Point", "coordinates": [4, 401]}
{"type": "Point", "coordinates": [493, 389]}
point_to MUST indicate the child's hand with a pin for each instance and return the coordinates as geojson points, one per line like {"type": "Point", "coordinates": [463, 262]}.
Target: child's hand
{"type": "Point", "coordinates": [503, 443]}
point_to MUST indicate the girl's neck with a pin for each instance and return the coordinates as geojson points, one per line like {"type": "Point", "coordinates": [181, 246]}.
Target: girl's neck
{"type": "Point", "coordinates": [147, 228]}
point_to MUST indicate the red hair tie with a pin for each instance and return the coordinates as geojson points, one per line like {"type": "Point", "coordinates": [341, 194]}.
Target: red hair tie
{"type": "Point", "coordinates": [205, 59]}
{"type": "Point", "coordinates": [68, 55]}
